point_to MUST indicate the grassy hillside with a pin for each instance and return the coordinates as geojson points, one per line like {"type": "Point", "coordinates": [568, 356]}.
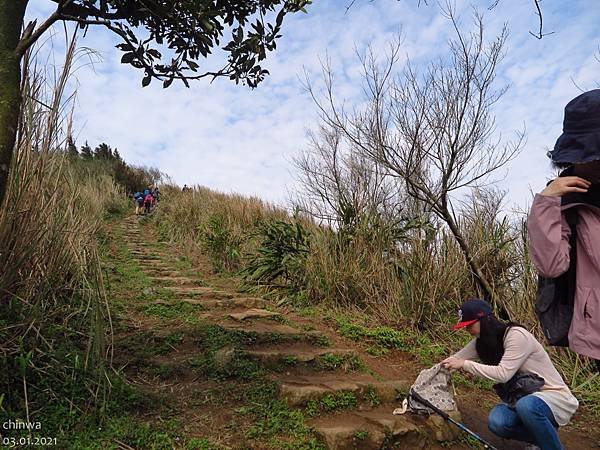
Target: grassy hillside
{"type": "Point", "coordinates": [407, 275]}
{"type": "Point", "coordinates": [55, 320]}
{"type": "Point", "coordinates": [89, 342]}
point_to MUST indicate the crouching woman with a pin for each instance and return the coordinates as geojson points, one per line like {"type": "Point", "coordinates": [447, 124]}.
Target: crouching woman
{"type": "Point", "coordinates": [536, 400]}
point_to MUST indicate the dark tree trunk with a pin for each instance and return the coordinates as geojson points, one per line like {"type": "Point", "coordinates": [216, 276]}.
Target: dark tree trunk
{"type": "Point", "coordinates": [484, 285]}
{"type": "Point", "coordinates": [11, 22]}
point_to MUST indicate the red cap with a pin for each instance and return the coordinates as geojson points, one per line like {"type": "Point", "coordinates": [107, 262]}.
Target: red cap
{"type": "Point", "coordinates": [471, 311]}
{"type": "Point", "coordinates": [464, 323]}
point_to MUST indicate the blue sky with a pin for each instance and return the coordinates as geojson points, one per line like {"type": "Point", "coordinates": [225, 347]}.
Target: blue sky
{"type": "Point", "coordinates": [234, 139]}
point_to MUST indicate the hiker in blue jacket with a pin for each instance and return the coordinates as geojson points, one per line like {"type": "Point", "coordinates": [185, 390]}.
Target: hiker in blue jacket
{"type": "Point", "coordinates": [138, 198]}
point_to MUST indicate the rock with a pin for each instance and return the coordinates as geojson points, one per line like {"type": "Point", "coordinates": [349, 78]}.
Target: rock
{"type": "Point", "coordinates": [278, 356]}
{"type": "Point", "coordinates": [296, 395]}
{"type": "Point", "coordinates": [148, 291]}
{"type": "Point", "coordinates": [267, 328]}
{"type": "Point", "coordinates": [253, 313]}
{"type": "Point", "coordinates": [249, 302]}
{"type": "Point", "coordinates": [198, 291]}
{"type": "Point", "coordinates": [176, 280]}
{"type": "Point", "coordinates": [348, 437]}
{"type": "Point", "coordinates": [223, 357]}
{"type": "Point", "coordinates": [192, 301]}
{"type": "Point", "coordinates": [386, 391]}
{"type": "Point", "coordinates": [441, 430]}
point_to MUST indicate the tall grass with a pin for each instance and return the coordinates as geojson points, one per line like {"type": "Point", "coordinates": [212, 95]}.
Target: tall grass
{"type": "Point", "coordinates": [54, 319]}
{"type": "Point", "coordinates": [416, 277]}
{"type": "Point", "coordinates": [212, 222]}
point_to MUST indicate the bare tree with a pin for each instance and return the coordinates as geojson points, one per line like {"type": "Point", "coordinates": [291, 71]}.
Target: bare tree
{"type": "Point", "coordinates": [341, 186]}
{"type": "Point", "coordinates": [539, 33]}
{"type": "Point", "coordinates": [494, 4]}
{"type": "Point", "coordinates": [433, 127]}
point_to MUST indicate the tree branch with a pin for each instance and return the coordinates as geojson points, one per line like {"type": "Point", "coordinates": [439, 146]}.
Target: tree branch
{"type": "Point", "coordinates": [30, 36]}
{"type": "Point", "coordinates": [148, 67]}
{"type": "Point", "coordinates": [539, 34]}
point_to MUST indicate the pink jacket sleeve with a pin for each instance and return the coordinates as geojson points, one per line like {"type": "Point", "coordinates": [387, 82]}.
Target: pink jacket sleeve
{"type": "Point", "coordinates": [548, 236]}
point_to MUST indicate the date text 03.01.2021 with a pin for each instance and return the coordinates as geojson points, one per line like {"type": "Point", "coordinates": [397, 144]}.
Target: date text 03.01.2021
{"type": "Point", "coordinates": [26, 440]}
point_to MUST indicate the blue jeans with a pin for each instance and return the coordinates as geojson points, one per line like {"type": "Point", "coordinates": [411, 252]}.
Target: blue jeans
{"type": "Point", "coordinates": [531, 420]}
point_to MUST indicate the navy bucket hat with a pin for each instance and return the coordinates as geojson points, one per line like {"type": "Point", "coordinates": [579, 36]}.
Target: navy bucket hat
{"type": "Point", "coordinates": [580, 141]}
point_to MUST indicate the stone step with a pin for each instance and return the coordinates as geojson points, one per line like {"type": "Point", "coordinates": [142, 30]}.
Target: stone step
{"type": "Point", "coordinates": [139, 253]}
{"type": "Point", "coordinates": [177, 280]}
{"type": "Point", "coordinates": [159, 266]}
{"type": "Point", "coordinates": [162, 272]}
{"type": "Point", "coordinates": [148, 257]}
{"type": "Point", "coordinates": [155, 264]}
{"type": "Point", "coordinates": [269, 331]}
{"type": "Point", "coordinates": [253, 313]}
{"type": "Point", "coordinates": [151, 258]}
{"type": "Point", "coordinates": [239, 302]}
{"type": "Point", "coordinates": [298, 391]}
{"type": "Point", "coordinates": [275, 355]}
{"type": "Point", "coordinates": [244, 302]}
{"type": "Point", "coordinates": [145, 247]}
{"type": "Point", "coordinates": [242, 315]}
{"type": "Point", "coordinates": [152, 264]}
{"type": "Point", "coordinates": [199, 291]}
{"type": "Point", "coordinates": [380, 429]}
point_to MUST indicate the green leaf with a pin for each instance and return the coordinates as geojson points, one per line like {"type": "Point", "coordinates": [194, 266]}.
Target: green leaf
{"type": "Point", "coordinates": [125, 47]}
{"type": "Point", "coordinates": [279, 19]}
{"type": "Point", "coordinates": [154, 53]}
{"type": "Point", "coordinates": [127, 58]}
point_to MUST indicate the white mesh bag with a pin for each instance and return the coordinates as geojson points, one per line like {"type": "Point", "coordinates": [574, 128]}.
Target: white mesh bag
{"type": "Point", "coordinates": [433, 385]}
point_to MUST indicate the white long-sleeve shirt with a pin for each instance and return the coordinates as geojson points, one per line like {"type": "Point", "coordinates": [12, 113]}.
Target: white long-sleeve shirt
{"type": "Point", "coordinates": [523, 353]}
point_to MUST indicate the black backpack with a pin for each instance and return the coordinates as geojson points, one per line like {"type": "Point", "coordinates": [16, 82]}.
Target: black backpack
{"type": "Point", "coordinates": [556, 296]}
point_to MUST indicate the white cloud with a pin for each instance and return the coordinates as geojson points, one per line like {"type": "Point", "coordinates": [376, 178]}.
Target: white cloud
{"type": "Point", "coordinates": [231, 138]}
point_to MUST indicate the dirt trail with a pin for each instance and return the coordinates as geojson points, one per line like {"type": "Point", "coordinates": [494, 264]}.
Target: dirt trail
{"type": "Point", "coordinates": [201, 322]}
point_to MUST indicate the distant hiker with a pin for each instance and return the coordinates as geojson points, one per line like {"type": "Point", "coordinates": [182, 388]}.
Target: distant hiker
{"type": "Point", "coordinates": [185, 188]}
{"type": "Point", "coordinates": [577, 152]}
{"type": "Point", "coordinates": [156, 194]}
{"type": "Point", "coordinates": [148, 203]}
{"type": "Point", "coordinates": [536, 400]}
{"type": "Point", "coordinates": [138, 198]}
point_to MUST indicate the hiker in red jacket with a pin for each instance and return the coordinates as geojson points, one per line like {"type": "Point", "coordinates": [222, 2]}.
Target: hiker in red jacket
{"type": "Point", "coordinates": [148, 203]}
{"type": "Point", "coordinates": [577, 152]}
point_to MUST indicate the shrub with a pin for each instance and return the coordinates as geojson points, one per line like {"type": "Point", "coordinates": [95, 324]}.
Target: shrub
{"type": "Point", "coordinates": [222, 245]}
{"type": "Point", "coordinates": [280, 258]}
